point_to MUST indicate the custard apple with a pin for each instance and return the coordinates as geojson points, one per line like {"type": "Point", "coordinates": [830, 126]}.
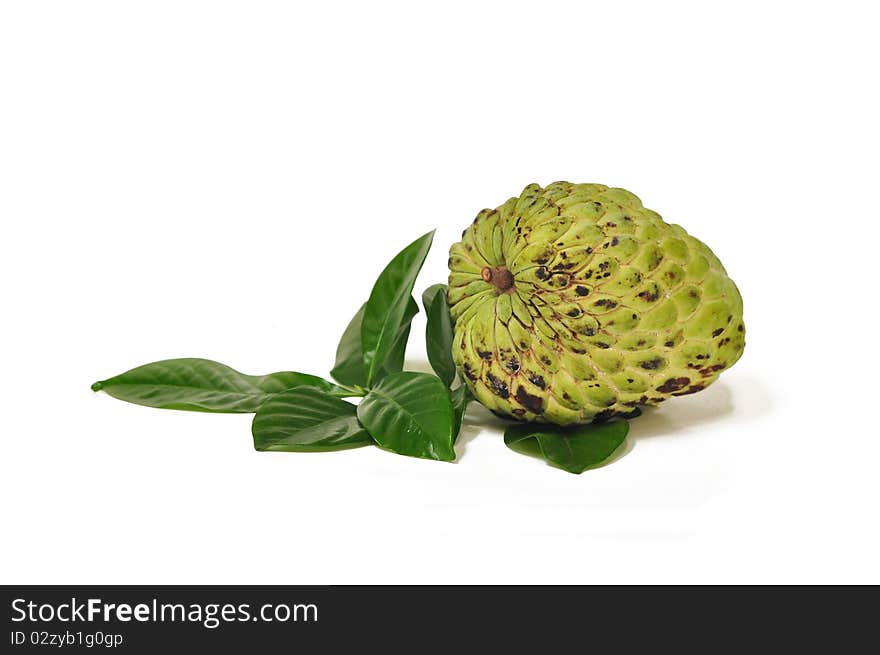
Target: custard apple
{"type": "Point", "coordinates": [573, 303]}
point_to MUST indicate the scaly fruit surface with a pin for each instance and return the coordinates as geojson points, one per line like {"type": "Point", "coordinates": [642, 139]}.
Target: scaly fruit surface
{"type": "Point", "coordinates": [574, 303]}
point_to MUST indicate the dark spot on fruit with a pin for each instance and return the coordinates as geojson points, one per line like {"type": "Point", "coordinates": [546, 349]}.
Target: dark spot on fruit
{"type": "Point", "coordinates": [564, 255]}
{"type": "Point", "coordinates": [581, 291]}
{"type": "Point", "coordinates": [469, 372]}
{"type": "Point", "coordinates": [673, 384]}
{"type": "Point", "coordinates": [519, 411]}
{"type": "Point", "coordinates": [543, 259]}
{"type": "Point", "coordinates": [709, 370]}
{"type": "Point", "coordinates": [652, 364]}
{"type": "Point", "coordinates": [579, 351]}
{"type": "Point", "coordinates": [602, 345]}
{"type": "Point", "coordinates": [648, 296]}
{"type": "Point", "coordinates": [574, 312]}
{"type": "Point", "coordinates": [513, 365]}
{"type": "Point", "coordinates": [537, 380]}
{"type": "Point", "coordinates": [694, 388]}
{"type": "Point", "coordinates": [532, 403]}
{"type": "Point", "coordinates": [542, 273]}
{"type": "Point", "coordinates": [702, 356]}
{"type": "Point", "coordinates": [740, 327]}
{"type": "Point", "coordinates": [546, 360]}
{"type": "Point", "coordinates": [565, 396]}
{"type": "Point", "coordinates": [590, 332]}
{"type": "Point", "coordinates": [523, 345]}
{"type": "Point", "coordinates": [607, 275]}
{"type": "Point", "coordinates": [603, 266]}
{"type": "Point", "coordinates": [669, 344]}
{"type": "Point", "coordinates": [615, 240]}
{"type": "Point", "coordinates": [589, 251]}
{"type": "Point", "coordinates": [715, 333]}
{"type": "Point", "coordinates": [611, 224]}
{"type": "Point", "coordinates": [605, 302]}
{"type": "Point", "coordinates": [484, 354]}
{"type": "Point", "coordinates": [497, 386]}
{"type": "Point", "coordinates": [603, 415]}
{"type": "Point", "coordinates": [640, 342]}
{"type": "Point", "coordinates": [588, 275]}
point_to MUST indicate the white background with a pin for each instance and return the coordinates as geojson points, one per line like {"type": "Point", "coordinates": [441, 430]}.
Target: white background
{"type": "Point", "coordinates": [226, 180]}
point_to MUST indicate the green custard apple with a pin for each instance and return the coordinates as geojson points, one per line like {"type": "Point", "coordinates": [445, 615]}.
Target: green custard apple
{"type": "Point", "coordinates": [574, 303]}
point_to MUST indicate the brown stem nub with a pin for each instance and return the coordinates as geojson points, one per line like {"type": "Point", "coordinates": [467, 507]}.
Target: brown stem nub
{"type": "Point", "coordinates": [499, 276]}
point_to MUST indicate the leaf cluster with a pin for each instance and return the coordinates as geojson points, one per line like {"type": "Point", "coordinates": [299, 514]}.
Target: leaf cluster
{"type": "Point", "coordinates": [405, 412]}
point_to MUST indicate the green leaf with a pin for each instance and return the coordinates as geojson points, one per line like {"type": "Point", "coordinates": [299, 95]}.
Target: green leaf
{"type": "Point", "coordinates": [386, 307]}
{"type": "Point", "coordinates": [410, 414]}
{"type": "Point", "coordinates": [203, 386]}
{"type": "Point", "coordinates": [572, 449]}
{"type": "Point", "coordinates": [397, 353]}
{"type": "Point", "coordinates": [349, 368]}
{"type": "Point", "coordinates": [307, 420]}
{"type": "Point", "coordinates": [438, 333]}
{"type": "Point", "coordinates": [460, 397]}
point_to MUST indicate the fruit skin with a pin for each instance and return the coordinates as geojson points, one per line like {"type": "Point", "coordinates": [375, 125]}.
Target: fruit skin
{"type": "Point", "coordinates": [574, 303]}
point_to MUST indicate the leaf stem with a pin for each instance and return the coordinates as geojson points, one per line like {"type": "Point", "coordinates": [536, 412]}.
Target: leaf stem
{"type": "Point", "coordinates": [350, 392]}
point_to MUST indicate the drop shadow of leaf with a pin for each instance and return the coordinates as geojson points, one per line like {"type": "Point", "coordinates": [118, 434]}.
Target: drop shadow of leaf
{"type": "Point", "coordinates": [476, 420]}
